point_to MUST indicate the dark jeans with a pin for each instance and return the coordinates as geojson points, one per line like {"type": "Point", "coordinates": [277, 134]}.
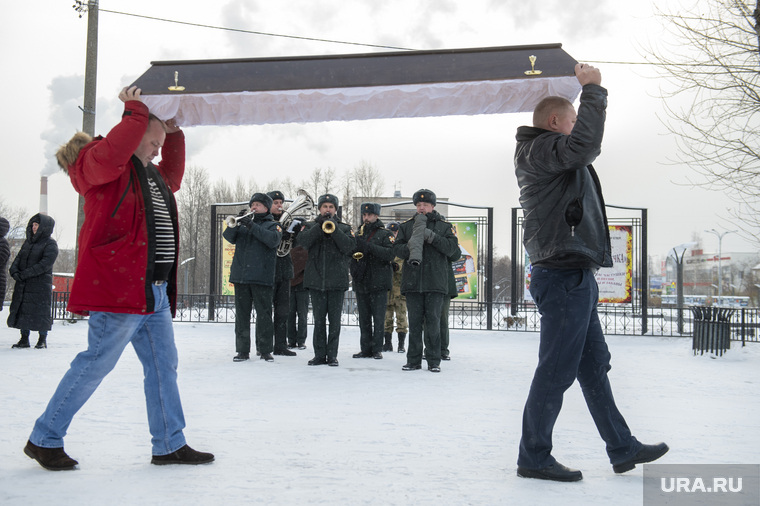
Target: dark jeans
{"type": "Point", "coordinates": [281, 302]}
{"type": "Point", "coordinates": [572, 346]}
{"type": "Point", "coordinates": [371, 306]}
{"type": "Point", "coordinates": [326, 305]}
{"type": "Point", "coordinates": [258, 297]}
{"type": "Point", "coordinates": [424, 309]}
{"type": "Point", "coordinates": [299, 310]}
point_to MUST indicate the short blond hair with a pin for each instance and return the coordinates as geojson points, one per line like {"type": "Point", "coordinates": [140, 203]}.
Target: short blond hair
{"type": "Point", "coordinates": [547, 107]}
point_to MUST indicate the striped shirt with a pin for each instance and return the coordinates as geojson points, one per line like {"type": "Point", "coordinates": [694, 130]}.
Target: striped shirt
{"type": "Point", "coordinates": [165, 251]}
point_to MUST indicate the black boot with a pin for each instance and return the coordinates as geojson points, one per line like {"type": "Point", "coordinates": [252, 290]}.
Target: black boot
{"type": "Point", "coordinates": [41, 342]}
{"type": "Point", "coordinates": [388, 346]}
{"type": "Point", "coordinates": [401, 337]}
{"type": "Point", "coordinates": [23, 342]}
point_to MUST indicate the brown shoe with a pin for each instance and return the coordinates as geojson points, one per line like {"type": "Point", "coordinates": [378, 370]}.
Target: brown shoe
{"type": "Point", "coordinates": [184, 455]}
{"type": "Point", "coordinates": [52, 459]}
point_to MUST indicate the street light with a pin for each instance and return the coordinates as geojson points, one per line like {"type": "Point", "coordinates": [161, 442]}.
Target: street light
{"type": "Point", "coordinates": [720, 260]}
{"type": "Point", "coordinates": [678, 257]}
{"type": "Point", "coordinates": [186, 270]}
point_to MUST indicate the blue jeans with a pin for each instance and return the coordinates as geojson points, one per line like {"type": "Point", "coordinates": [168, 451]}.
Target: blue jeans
{"type": "Point", "coordinates": [152, 337]}
{"type": "Point", "coordinates": [572, 346]}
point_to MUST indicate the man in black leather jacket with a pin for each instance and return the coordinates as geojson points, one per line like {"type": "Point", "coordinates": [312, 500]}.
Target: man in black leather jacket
{"type": "Point", "coordinates": [567, 239]}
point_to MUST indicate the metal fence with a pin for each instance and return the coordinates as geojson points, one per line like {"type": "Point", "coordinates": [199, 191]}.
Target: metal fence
{"type": "Point", "coordinates": [615, 319]}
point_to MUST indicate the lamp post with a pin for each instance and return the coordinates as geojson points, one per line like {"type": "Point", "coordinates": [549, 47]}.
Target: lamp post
{"type": "Point", "coordinates": [720, 260]}
{"type": "Point", "coordinates": [186, 270]}
{"type": "Point", "coordinates": [678, 258]}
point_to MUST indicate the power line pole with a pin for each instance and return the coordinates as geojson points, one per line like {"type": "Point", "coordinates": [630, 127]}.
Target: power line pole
{"type": "Point", "coordinates": [90, 84]}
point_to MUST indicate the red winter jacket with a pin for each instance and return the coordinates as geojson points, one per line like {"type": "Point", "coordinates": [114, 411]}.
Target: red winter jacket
{"type": "Point", "coordinates": [113, 272]}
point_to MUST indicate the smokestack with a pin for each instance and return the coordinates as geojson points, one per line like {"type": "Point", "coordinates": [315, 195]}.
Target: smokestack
{"type": "Point", "coordinates": [43, 195]}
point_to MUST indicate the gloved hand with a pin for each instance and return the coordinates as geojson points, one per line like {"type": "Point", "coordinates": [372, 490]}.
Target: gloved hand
{"type": "Point", "coordinates": [16, 276]}
{"type": "Point", "coordinates": [243, 212]}
{"type": "Point", "coordinates": [320, 219]}
{"type": "Point", "coordinates": [245, 221]}
{"type": "Point", "coordinates": [295, 225]}
{"type": "Point", "coordinates": [429, 236]}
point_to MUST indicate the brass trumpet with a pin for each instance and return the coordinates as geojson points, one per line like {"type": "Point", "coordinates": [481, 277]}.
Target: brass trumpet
{"type": "Point", "coordinates": [232, 221]}
{"type": "Point", "coordinates": [359, 255]}
{"type": "Point", "coordinates": [328, 227]}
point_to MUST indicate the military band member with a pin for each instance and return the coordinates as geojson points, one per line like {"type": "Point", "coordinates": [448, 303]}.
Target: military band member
{"type": "Point", "coordinates": [330, 244]}
{"type": "Point", "coordinates": [256, 238]}
{"type": "Point", "coordinates": [372, 277]}
{"type": "Point", "coordinates": [283, 273]}
{"type": "Point", "coordinates": [427, 243]}
{"type": "Point", "coordinates": [396, 303]}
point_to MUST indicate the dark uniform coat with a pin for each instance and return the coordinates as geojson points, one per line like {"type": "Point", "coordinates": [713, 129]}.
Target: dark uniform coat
{"type": "Point", "coordinates": [432, 274]}
{"type": "Point", "coordinates": [377, 245]}
{"type": "Point", "coordinates": [255, 250]}
{"type": "Point", "coordinates": [329, 255]}
{"type": "Point", "coordinates": [31, 305]}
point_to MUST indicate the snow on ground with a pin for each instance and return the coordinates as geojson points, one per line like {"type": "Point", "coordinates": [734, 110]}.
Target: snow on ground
{"type": "Point", "coordinates": [368, 432]}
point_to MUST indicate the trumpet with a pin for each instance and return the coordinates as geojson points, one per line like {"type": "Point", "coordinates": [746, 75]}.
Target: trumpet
{"type": "Point", "coordinates": [232, 221]}
{"type": "Point", "coordinates": [328, 227]}
{"type": "Point", "coordinates": [359, 255]}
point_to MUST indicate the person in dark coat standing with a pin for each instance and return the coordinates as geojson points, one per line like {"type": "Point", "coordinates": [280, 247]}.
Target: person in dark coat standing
{"type": "Point", "coordinates": [330, 244]}
{"type": "Point", "coordinates": [5, 254]}
{"type": "Point", "coordinates": [283, 273]}
{"type": "Point", "coordinates": [428, 244]}
{"type": "Point", "coordinates": [256, 238]}
{"type": "Point", "coordinates": [32, 301]}
{"type": "Point", "coordinates": [372, 277]}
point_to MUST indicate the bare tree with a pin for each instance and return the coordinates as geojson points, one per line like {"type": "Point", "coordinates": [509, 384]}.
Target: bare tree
{"type": "Point", "coordinates": [193, 201]}
{"type": "Point", "coordinates": [713, 61]}
{"type": "Point", "coordinates": [367, 180]}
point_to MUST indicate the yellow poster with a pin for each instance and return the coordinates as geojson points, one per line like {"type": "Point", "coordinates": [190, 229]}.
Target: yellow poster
{"type": "Point", "coordinates": [466, 268]}
{"type": "Point", "coordinates": [228, 251]}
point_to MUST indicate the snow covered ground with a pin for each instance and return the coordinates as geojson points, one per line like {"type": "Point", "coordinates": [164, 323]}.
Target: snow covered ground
{"type": "Point", "coordinates": [368, 432]}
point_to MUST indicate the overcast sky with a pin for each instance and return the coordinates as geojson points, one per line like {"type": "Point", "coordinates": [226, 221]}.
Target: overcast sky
{"type": "Point", "coordinates": [465, 158]}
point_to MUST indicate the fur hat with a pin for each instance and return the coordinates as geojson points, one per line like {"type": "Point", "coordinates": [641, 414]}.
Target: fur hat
{"type": "Point", "coordinates": [370, 208]}
{"type": "Point", "coordinates": [67, 154]}
{"type": "Point", "coordinates": [327, 198]}
{"type": "Point", "coordinates": [423, 195]}
{"type": "Point", "coordinates": [393, 226]}
{"type": "Point", "coordinates": [263, 198]}
{"type": "Point", "coordinates": [276, 195]}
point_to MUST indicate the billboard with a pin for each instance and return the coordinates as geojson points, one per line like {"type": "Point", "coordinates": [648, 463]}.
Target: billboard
{"type": "Point", "coordinates": [466, 268]}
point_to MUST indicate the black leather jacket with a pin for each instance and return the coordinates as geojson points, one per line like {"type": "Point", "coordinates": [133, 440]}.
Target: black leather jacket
{"type": "Point", "coordinates": [565, 220]}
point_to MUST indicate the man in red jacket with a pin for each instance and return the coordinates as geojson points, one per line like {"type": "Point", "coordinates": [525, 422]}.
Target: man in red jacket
{"type": "Point", "coordinates": [125, 278]}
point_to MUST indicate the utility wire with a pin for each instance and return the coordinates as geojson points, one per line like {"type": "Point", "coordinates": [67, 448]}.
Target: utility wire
{"type": "Point", "coordinates": [254, 32]}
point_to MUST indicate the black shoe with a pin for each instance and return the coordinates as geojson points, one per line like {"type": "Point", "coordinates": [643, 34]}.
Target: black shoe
{"type": "Point", "coordinates": [401, 348]}
{"type": "Point", "coordinates": [411, 367]}
{"type": "Point", "coordinates": [648, 453]}
{"type": "Point", "coordinates": [377, 356]}
{"type": "Point", "coordinates": [241, 357]}
{"type": "Point", "coordinates": [332, 362]}
{"type": "Point", "coordinates": [184, 455]}
{"type": "Point", "coordinates": [267, 356]}
{"type": "Point", "coordinates": [301, 346]}
{"type": "Point", "coordinates": [291, 346]}
{"type": "Point", "coordinates": [52, 459]}
{"type": "Point", "coordinates": [434, 368]}
{"type": "Point", "coordinates": [445, 357]}
{"type": "Point", "coordinates": [41, 344]}
{"type": "Point", "coordinates": [287, 353]}
{"type": "Point", "coordinates": [22, 343]}
{"type": "Point", "coordinates": [362, 354]}
{"type": "Point", "coordinates": [554, 472]}
{"type": "Point", "coordinates": [317, 361]}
